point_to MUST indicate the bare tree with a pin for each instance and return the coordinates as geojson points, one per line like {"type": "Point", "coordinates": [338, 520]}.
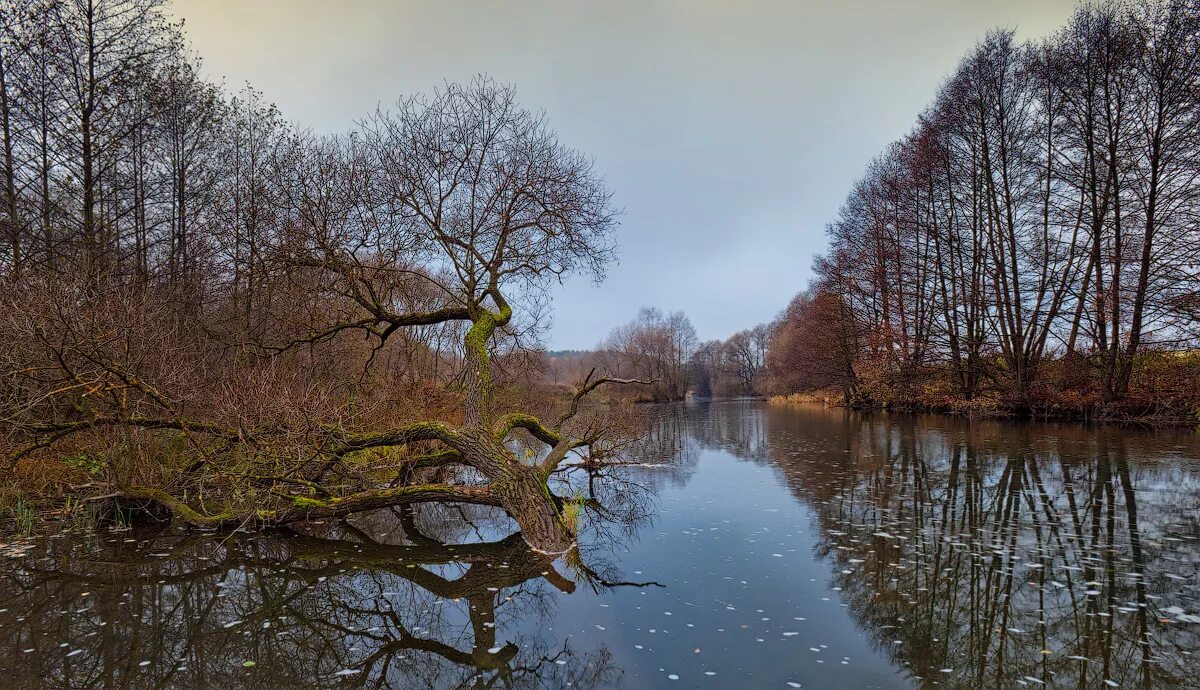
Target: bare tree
{"type": "Point", "coordinates": [653, 346]}
{"type": "Point", "coordinates": [439, 212]}
{"type": "Point", "coordinates": [1002, 234]}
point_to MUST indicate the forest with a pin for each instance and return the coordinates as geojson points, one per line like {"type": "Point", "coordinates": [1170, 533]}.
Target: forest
{"type": "Point", "coordinates": [215, 314]}
{"type": "Point", "coordinates": [1033, 244]}
{"type": "Point", "coordinates": [664, 350]}
{"type": "Point", "coordinates": [1031, 247]}
{"type": "Point", "coordinates": [281, 406]}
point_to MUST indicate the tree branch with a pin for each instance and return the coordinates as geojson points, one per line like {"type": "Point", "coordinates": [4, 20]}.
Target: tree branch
{"type": "Point", "coordinates": [520, 420]}
{"type": "Point", "coordinates": [421, 431]}
{"type": "Point", "coordinates": [304, 508]}
{"type": "Point", "coordinates": [60, 430]}
{"type": "Point", "coordinates": [586, 389]}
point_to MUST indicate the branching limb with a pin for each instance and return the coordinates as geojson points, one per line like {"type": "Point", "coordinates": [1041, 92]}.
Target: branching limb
{"type": "Point", "coordinates": [553, 435]}
{"type": "Point", "coordinates": [54, 432]}
{"type": "Point", "coordinates": [559, 453]}
{"type": "Point", "coordinates": [304, 508]}
{"type": "Point", "coordinates": [589, 384]}
{"type": "Point", "coordinates": [381, 324]}
{"type": "Point", "coordinates": [520, 420]}
{"type": "Point", "coordinates": [421, 431]}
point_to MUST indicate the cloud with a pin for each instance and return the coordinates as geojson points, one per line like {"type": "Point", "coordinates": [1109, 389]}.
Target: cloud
{"type": "Point", "coordinates": [730, 131]}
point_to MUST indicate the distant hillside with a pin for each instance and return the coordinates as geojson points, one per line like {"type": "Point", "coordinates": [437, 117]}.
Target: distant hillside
{"type": "Point", "coordinates": [567, 353]}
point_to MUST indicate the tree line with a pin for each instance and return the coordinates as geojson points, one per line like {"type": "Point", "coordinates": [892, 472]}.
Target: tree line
{"type": "Point", "coordinates": [1034, 242]}
{"type": "Point", "coordinates": [663, 348]}
{"type": "Point", "coordinates": [212, 313]}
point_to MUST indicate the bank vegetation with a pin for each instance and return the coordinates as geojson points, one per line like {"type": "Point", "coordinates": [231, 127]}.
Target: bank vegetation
{"type": "Point", "coordinates": [1033, 245]}
{"type": "Point", "coordinates": [213, 315]}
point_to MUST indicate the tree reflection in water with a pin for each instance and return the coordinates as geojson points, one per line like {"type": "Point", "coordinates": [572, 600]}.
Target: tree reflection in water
{"type": "Point", "coordinates": [990, 554]}
{"type": "Point", "coordinates": [408, 597]}
{"type": "Point", "coordinates": [980, 554]}
{"type": "Point", "coordinates": [340, 609]}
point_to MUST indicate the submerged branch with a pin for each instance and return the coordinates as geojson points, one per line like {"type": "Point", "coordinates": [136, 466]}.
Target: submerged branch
{"type": "Point", "coordinates": [304, 508]}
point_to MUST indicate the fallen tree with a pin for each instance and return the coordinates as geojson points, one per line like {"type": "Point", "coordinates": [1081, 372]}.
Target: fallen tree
{"type": "Point", "coordinates": [434, 215]}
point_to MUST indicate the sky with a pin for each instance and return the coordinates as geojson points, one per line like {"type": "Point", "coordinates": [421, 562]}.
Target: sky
{"type": "Point", "coordinates": [728, 130]}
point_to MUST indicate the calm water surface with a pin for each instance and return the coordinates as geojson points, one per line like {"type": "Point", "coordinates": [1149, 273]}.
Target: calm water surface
{"type": "Point", "coordinates": [755, 546]}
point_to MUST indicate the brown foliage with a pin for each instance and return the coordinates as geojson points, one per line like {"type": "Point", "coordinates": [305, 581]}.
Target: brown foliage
{"type": "Point", "coordinates": [345, 337]}
{"type": "Point", "coordinates": [1032, 245]}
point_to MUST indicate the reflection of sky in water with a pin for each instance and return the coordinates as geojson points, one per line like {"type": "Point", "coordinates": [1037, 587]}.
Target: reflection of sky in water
{"type": "Point", "coordinates": [795, 546]}
{"type": "Point", "coordinates": [735, 550]}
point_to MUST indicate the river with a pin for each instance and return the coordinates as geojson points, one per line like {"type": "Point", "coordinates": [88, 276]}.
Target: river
{"type": "Point", "coordinates": [752, 546]}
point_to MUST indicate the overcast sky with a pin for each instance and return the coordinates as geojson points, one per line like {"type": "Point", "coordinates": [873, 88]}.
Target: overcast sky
{"type": "Point", "coordinates": [730, 131]}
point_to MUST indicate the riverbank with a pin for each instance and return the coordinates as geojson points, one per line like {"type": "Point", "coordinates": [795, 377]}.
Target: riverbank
{"type": "Point", "coordinates": [822, 570]}
{"type": "Point", "coordinates": [1162, 391]}
{"type": "Point", "coordinates": [1161, 413]}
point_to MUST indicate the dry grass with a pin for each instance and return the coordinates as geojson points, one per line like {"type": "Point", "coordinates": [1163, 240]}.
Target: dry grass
{"type": "Point", "coordinates": [1163, 390]}
{"type": "Point", "coordinates": [823, 397]}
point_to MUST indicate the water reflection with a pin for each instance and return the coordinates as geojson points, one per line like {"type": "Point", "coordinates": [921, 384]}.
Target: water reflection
{"type": "Point", "coordinates": [955, 554]}
{"type": "Point", "coordinates": [287, 609]}
{"type": "Point", "coordinates": [994, 554]}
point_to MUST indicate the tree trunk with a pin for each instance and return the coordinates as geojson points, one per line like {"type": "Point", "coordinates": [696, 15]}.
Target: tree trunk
{"type": "Point", "coordinates": [524, 495]}
{"type": "Point", "coordinates": [519, 489]}
{"type": "Point", "coordinates": [10, 189]}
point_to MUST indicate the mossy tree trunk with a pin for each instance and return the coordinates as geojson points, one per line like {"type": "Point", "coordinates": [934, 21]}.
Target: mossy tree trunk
{"type": "Point", "coordinates": [519, 487]}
